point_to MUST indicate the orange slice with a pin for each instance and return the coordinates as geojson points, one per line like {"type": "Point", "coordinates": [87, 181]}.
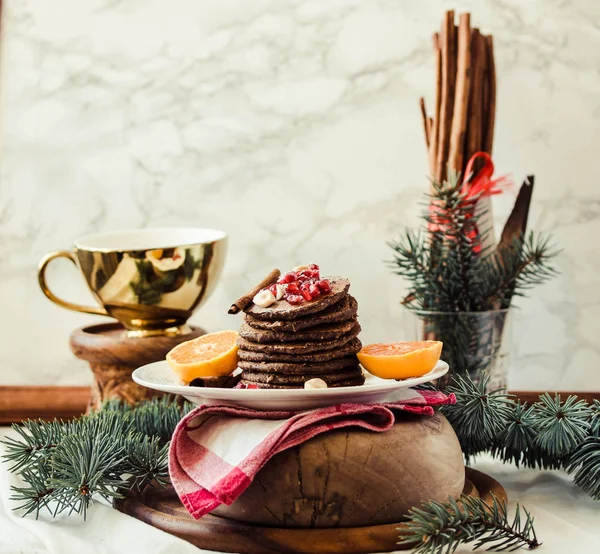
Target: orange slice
{"type": "Point", "coordinates": [400, 360]}
{"type": "Point", "coordinates": [212, 355]}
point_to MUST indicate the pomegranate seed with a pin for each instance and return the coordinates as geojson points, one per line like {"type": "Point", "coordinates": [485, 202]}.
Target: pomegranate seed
{"type": "Point", "coordinates": [306, 293]}
{"type": "Point", "coordinates": [273, 289]}
{"type": "Point", "coordinates": [314, 290]}
{"type": "Point", "coordinates": [314, 267]}
{"type": "Point", "coordinates": [293, 288]}
{"type": "Point", "coordinates": [309, 274]}
{"type": "Point", "coordinates": [294, 299]}
{"type": "Point", "coordinates": [287, 278]}
{"type": "Point", "coordinates": [251, 386]}
{"type": "Point", "coordinates": [324, 286]}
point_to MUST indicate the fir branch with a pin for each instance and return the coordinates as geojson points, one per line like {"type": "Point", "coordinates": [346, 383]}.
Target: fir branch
{"type": "Point", "coordinates": [146, 460]}
{"type": "Point", "coordinates": [36, 439]}
{"type": "Point", "coordinates": [514, 270]}
{"type": "Point", "coordinates": [517, 443]}
{"type": "Point", "coordinates": [155, 418]}
{"type": "Point", "coordinates": [585, 464]}
{"type": "Point", "coordinates": [562, 426]}
{"type": "Point", "coordinates": [66, 464]}
{"type": "Point", "coordinates": [159, 418]}
{"type": "Point", "coordinates": [478, 416]}
{"type": "Point", "coordinates": [517, 439]}
{"type": "Point", "coordinates": [449, 271]}
{"type": "Point", "coordinates": [595, 419]}
{"type": "Point", "coordinates": [37, 494]}
{"type": "Point", "coordinates": [83, 466]}
{"type": "Point", "coordinates": [438, 528]}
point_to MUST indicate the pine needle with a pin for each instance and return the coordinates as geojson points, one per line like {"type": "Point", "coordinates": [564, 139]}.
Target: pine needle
{"type": "Point", "coordinates": [438, 528]}
{"type": "Point", "coordinates": [478, 416]}
{"type": "Point", "coordinates": [562, 426]}
{"type": "Point", "coordinates": [449, 270]}
{"type": "Point", "coordinates": [65, 465]}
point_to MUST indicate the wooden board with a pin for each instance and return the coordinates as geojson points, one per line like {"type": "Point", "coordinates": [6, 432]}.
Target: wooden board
{"type": "Point", "coordinates": [161, 509]}
{"type": "Point", "coordinates": [41, 402]}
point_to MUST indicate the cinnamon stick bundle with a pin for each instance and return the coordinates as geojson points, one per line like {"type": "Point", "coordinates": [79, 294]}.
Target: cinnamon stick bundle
{"type": "Point", "coordinates": [464, 110]}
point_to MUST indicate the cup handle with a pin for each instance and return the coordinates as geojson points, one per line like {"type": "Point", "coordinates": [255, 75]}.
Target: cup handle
{"type": "Point", "coordinates": [63, 303]}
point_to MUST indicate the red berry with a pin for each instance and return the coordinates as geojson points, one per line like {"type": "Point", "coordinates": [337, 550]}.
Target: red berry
{"type": "Point", "coordinates": [324, 286]}
{"type": "Point", "coordinates": [292, 288]}
{"type": "Point", "coordinates": [294, 299]}
{"type": "Point", "coordinates": [315, 291]}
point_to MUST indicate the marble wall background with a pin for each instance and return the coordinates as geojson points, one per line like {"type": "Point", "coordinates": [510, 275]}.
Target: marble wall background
{"type": "Point", "coordinates": [294, 126]}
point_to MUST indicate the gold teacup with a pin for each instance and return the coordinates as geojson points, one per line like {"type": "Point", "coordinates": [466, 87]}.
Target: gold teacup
{"type": "Point", "coordinates": [151, 280]}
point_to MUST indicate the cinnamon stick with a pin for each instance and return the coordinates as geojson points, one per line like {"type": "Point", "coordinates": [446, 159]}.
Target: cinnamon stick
{"type": "Point", "coordinates": [425, 120]}
{"type": "Point", "coordinates": [477, 98]}
{"type": "Point", "coordinates": [245, 301]}
{"type": "Point", "coordinates": [461, 98]}
{"type": "Point", "coordinates": [435, 126]}
{"type": "Point", "coordinates": [485, 94]}
{"type": "Point", "coordinates": [488, 141]}
{"type": "Point", "coordinates": [447, 39]}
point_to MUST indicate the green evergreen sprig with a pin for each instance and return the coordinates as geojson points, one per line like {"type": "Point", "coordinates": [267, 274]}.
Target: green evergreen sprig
{"type": "Point", "coordinates": [584, 463]}
{"type": "Point", "coordinates": [546, 434]}
{"type": "Point", "coordinates": [479, 415]}
{"type": "Point", "coordinates": [447, 268]}
{"type": "Point", "coordinates": [561, 425]}
{"type": "Point", "coordinates": [65, 465]}
{"type": "Point", "coordinates": [438, 528]}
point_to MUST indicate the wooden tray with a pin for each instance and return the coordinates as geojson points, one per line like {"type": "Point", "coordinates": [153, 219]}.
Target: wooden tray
{"type": "Point", "coordinates": [161, 509]}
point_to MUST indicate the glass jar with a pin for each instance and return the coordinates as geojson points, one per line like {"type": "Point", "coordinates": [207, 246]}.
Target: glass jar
{"type": "Point", "coordinates": [476, 343]}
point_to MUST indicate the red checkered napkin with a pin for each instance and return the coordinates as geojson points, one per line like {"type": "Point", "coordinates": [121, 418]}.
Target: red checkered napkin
{"type": "Point", "coordinates": [216, 451]}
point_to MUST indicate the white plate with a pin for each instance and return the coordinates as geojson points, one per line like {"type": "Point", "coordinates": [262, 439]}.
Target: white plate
{"type": "Point", "coordinates": [159, 376]}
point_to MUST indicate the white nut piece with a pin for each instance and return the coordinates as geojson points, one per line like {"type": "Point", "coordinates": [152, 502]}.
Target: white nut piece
{"type": "Point", "coordinates": [264, 298]}
{"type": "Point", "coordinates": [300, 268]}
{"type": "Point", "coordinates": [315, 383]}
{"type": "Point", "coordinates": [280, 291]}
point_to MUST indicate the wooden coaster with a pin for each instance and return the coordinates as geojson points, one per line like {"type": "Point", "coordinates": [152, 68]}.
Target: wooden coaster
{"type": "Point", "coordinates": [113, 356]}
{"type": "Point", "coordinates": [161, 509]}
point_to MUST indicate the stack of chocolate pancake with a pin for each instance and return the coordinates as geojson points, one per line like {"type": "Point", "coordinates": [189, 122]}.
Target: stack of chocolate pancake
{"type": "Point", "coordinates": [285, 345]}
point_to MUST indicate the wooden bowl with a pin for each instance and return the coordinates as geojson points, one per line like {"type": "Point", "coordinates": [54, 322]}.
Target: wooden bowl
{"type": "Point", "coordinates": [354, 477]}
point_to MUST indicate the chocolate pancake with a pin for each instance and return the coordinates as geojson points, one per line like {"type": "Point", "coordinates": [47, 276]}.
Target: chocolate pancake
{"type": "Point", "coordinates": [283, 310]}
{"type": "Point", "coordinates": [347, 349]}
{"type": "Point", "coordinates": [344, 310]}
{"type": "Point", "coordinates": [351, 382]}
{"type": "Point", "coordinates": [307, 347]}
{"type": "Point", "coordinates": [299, 380]}
{"type": "Point", "coordinates": [301, 368]}
{"type": "Point", "coordinates": [331, 331]}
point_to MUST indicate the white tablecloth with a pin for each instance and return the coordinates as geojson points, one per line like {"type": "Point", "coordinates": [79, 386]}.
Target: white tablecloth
{"type": "Point", "coordinates": [566, 520]}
